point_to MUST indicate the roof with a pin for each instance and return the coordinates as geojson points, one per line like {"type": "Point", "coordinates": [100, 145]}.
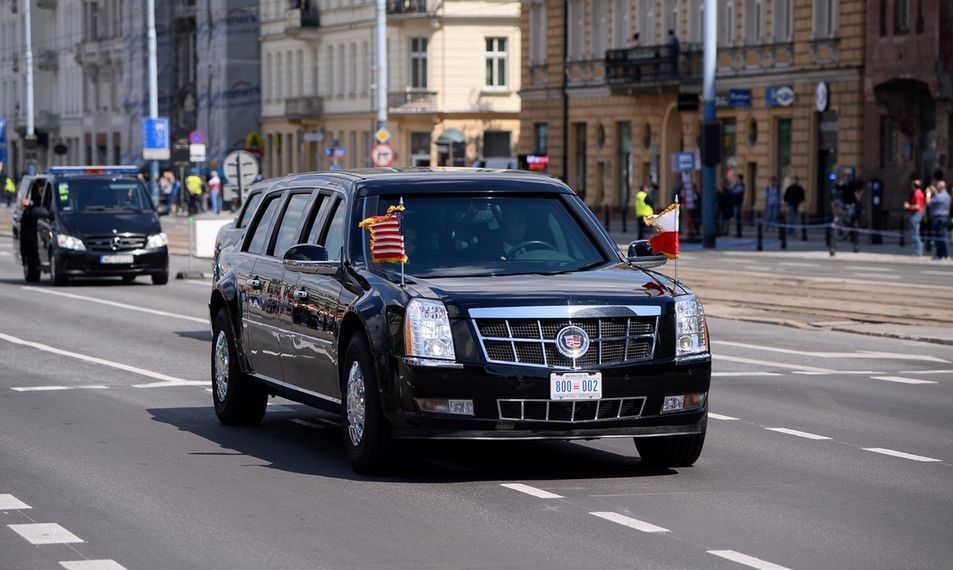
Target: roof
{"type": "Point", "coordinates": [382, 180]}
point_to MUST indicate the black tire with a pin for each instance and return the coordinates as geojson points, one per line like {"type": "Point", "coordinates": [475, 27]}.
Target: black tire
{"type": "Point", "coordinates": [31, 273]}
{"type": "Point", "coordinates": [238, 399]}
{"type": "Point", "coordinates": [160, 278]}
{"type": "Point", "coordinates": [672, 451]}
{"type": "Point", "coordinates": [368, 449]}
{"type": "Point", "coordinates": [57, 278]}
{"type": "Point", "coordinates": [128, 278]}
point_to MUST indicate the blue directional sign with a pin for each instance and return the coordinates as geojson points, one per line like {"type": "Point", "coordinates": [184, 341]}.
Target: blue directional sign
{"type": "Point", "coordinates": [155, 138]}
{"type": "Point", "coordinates": [3, 141]}
{"type": "Point", "coordinates": [739, 98]}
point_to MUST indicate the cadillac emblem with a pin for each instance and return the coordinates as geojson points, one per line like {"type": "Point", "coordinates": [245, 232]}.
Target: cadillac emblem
{"type": "Point", "coordinates": [572, 341]}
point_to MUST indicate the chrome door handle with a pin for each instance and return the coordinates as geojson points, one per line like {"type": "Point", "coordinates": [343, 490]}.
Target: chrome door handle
{"type": "Point", "coordinates": [254, 283]}
{"type": "Point", "coordinates": [300, 294]}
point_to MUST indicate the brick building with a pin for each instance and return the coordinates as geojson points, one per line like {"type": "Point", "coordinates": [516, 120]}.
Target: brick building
{"type": "Point", "coordinates": [616, 121]}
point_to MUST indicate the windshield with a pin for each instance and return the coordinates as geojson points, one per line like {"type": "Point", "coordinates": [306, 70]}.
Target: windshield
{"type": "Point", "coordinates": [450, 236]}
{"type": "Point", "coordinates": [100, 195]}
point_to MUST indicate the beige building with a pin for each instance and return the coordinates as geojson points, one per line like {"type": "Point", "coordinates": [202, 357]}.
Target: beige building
{"type": "Point", "coordinates": [623, 125]}
{"type": "Point", "coordinates": [453, 82]}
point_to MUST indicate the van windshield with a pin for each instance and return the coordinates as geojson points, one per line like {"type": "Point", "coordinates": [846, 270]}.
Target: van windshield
{"type": "Point", "coordinates": [100, 195]}
{"type": "Point", "coordinates": [483, 235]}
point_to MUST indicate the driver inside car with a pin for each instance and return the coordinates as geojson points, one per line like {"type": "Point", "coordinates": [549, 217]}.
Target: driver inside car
{"type": "Point", "coordinates": [513, 228]}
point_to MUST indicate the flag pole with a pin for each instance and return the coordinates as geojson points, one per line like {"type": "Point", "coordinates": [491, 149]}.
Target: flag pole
{"type": "Point", "coordinates": [402, 239]}
{"type": "Point", "coordinates": [678, 231]}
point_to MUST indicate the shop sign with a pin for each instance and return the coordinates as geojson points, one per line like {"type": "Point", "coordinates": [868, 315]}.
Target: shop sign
{"type": "Point", "coordinates": [739, 98]}
{"type": "Point", "coordinates": [782, 96]}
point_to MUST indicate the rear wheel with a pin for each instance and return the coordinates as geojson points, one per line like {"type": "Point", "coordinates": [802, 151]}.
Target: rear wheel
{"type": "Point", "coordinates": [238, 399]}
{"type": "Point", "coordinates": [160, 278]}
{"type": "Point", "coordinates": [366, 433]}
{"type": "Point", "coordinates": [673, 451]}
{"type": "Point", "coordinates": [57, 278]}
{"type": "Point", "coordinates": [31, 273]}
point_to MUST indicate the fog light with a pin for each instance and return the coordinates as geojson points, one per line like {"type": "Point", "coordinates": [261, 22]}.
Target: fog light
{"type": "Point", "coordinates": [683, 402]}
{"type": "Point", "coordinates": [433, 405]}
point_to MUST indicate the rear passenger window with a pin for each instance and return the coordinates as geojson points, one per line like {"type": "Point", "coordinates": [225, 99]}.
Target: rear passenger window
{"type": "Point", "coordinates": [249, 210]}
{"type": "Point", "coordinates": [335, 233]}
{"type": "Point", "coordinates": [287, 231]}
{"type": "Point", "coordinates": [260, 236]}
{"type": "Point", "coordinates": [317, 223]}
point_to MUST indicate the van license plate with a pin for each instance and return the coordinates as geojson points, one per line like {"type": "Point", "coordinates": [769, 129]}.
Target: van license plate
{"type": "Point", "coordinates": [116, 259]}
{"type": "Point", "coordinates": [575, 386]}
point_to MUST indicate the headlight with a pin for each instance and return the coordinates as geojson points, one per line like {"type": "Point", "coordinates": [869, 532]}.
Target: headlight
{"type": "Point", "coordinates": [157, 240]}
{"type": "Point", "coordinates": [70, 242]}
{"type": "Point", "coordinates": [427, 330]}
{"type": "Point", "coordinates": [691, 330]}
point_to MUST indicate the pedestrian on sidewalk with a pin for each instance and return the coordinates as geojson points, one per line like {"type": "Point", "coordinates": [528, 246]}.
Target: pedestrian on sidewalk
{"type": "Point", "coordinates": [793, 196]}
{"type": "Point", "coordinates": [938, 204]}
{"type": "Point", "coordinates": [643, 207]}
{"type": "Point", "coordinates": [175, 189]}
{"type": "Point", "coordinates": [772, 201]}
{"type": "Point", "coordinates": [9, 188]}
{"type": "Point", "coordinates": [915, 208]}
{"type": "Point", "coordinates": [215, 192]}
{"type": "Point", "coordinates": [193, 183]}
{"type": "Point", "coordinates": [737, 200]}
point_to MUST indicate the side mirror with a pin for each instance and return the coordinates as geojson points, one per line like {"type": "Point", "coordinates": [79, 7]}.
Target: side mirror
{"type": "Point", "coordinates": [310, 258]}
{"type": "Point", "coordinates": [640, 255]}
{"type": "Point", "coordinates": [42, 213]}
{"type": "Point", "coordinates": [162, 210]}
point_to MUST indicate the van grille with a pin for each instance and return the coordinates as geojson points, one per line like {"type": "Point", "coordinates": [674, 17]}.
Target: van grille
{"type": "Point", "coordinates": [120, 242]}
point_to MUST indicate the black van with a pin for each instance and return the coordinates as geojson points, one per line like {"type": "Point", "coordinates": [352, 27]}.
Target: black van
{"type": "Point", "coordinates": [95, 221]}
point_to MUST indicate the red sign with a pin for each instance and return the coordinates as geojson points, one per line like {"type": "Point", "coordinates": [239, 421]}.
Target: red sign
{"type": "Point", "coordinates": [382, 155]}
{"type": "Point", "coordinates": [537, 162]}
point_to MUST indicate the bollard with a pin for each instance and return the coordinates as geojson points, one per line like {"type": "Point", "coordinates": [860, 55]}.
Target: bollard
{"type": "Point", "coordinates": [854, 241]}
{"type": "Point", "coordinates": [832, 242]}
{"type": "Point", "coordinates": [605, 212]}
{"type": "Point", "coordinates": [760, 236]}
{"type": "Point", "coordinates": [803, 227]}
{"type": "Point", "coordinates": [827, 237]}
{"type": "Point", "coordinates": [783, 236]}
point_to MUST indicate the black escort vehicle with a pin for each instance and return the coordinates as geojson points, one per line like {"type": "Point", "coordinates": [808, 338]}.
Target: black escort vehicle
{"type": "Point", "coordinates": [95, 221]}
{"type": "Point", "coordinates": [515, 317]}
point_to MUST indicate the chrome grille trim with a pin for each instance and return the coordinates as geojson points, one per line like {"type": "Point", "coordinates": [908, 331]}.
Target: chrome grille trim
{"type": "Point", "coordinates": [566, 312]}
{"type": "Point", "coordinates": [127, 242]}
{"type": "Point", "coordinates": [636, 410]}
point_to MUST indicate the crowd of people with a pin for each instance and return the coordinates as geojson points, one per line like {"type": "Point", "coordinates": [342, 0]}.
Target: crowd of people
{"type": "Point", "coordinates": [199, 195]}
{"type": "Point", "coordinates": [929, 209]}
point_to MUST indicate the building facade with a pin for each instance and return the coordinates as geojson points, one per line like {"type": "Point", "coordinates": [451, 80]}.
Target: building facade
{"type": "Point", "coordinates": [453, 82]}
{"type": "Point", "coordinates": [604, 106]}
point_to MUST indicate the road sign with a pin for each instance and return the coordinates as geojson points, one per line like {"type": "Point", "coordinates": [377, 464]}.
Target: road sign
{"type": "Point", "coordinates": [316, 136]}
{"type": "Point", "coordinates": [382, 156]}
{"type": "Point", "coordinates": [196, 137]}
{"type": "Point", "coordinates": [240, 168]}
{"type": "Point", "coordinates": [196, 152]}
{"type": "Point", "coordinates": [155, 139]}
{"type": "Point", "coordinates": [382, 135]}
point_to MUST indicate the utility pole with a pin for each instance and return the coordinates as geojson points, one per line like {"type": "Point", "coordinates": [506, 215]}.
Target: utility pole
{"type": "Point", "coordinates": [709, 220]}
{"type": "Point", "coordinates": [30, 142]}
{"type": "Point", "coordinates": [153, 89]}
{"type": "Point", "coordinates": [381, 65]}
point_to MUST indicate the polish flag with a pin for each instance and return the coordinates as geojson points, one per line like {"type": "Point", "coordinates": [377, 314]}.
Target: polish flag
{"type": "Point", "coordinates": [665, 223]}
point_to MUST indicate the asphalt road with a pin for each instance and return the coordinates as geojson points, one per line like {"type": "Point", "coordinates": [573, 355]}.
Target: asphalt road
{"type": "Point", "coordinates": [825, 450]}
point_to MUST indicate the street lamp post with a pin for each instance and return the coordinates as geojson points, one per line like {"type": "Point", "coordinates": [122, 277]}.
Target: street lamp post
{"type": "Point", "coordinates": [30, 142]}
{"type": "Point", "coordinates": [153, 90]}
{"type": "Point", "coordinates": [709, 220]}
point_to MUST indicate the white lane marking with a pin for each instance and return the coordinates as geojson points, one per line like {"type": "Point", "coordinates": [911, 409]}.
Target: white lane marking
{"type": "Point", "coordinates": [879, 275]}
{"type": "Point", "coordinates": [901, 454]}
{"type": "Point", "coordinates": [868, 268]}
{"type": "Point", "coordinates": [11, 503]}
{"type": "Point", "coordinates": [798, 264]}
{"type": "Point", "coordinates": [538, 493]}
{"type": "Point", "coordinates": [746, 560]}
{"type": "Point", "coordinates": [5, 253]}
{"type": "Point", "coordinates": [721, 417]}
{"type": "Point", "coordinates": [44, 533]}
{"type": "Point", "coordinates": [207, 284]}
{"type": "Point", "coordinates": [115, 304]}
{"type": "Point", "coordinates": [943, 273]}
{"type": "Point", "coordinates": [629, 522]}
{"type": "Point", "coordinates": [734, 261]}
{"type": "Point", "coordinates": [92, 565]}
{"type": "Point", "coordinates": [902, 380]}
{"type": "Point", "coordinates": [838, 372]}
{"type": "Point", "coordinates": [172, 383]}
{"type": "Point", "coordinates": [771, 364]}
{"type": "Point", "coordinates": [925, 372]}
{"type": "Point", "coordinates": [56, 388]}
{"type": "Point", "coordinates": [166, 380]}
{"type": "Point", "coordinates": [859, 354]}
{"type": "Point", "coordinates": [745, 374]}
{"type": "Point", "coordinates": [797, 433]}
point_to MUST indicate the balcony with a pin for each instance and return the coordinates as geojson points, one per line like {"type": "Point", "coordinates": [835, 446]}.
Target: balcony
{"type": "Point", "coordinates": [46, 4]}
{"type": "Point", "coordinates": [651, 67]}
{"type": "Point", "coordinates": [47, 60]}
{"type": "Point", "coordinates": [304, 107]}
{"type": "Point", "coordinates": [397, 7]}
{"type": "Point", "coordinates": [297, 18]}
{"type": "Point", "coordinates": [412, 101]}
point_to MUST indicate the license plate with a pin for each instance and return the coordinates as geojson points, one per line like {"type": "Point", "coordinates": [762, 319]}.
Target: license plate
{"type": "Point", "coordinates": [575, 386]}
{"type": "Point", "coordinates": [116, 259]}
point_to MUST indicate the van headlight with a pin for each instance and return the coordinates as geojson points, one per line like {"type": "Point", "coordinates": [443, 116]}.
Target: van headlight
{"type": "Point", "coordinates": [427, 330]}
{"type": "Point", "coordinates": [691, 330]}
{"type": "Point", "coordinates": [70, 242]}
{"type": "Point", "coordinates": [157, 240]}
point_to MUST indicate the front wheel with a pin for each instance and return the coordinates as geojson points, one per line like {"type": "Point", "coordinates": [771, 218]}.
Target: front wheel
{"type": "Point", "coordinates": [57, 278]}
{"type": "Point", "coordinates": [160, 278]}
{"type": "Point", "coordinates": [673, 451]}
{"type": "Point", "coordinates": [366, 433]}
{"type": "Point", "coordinates": [238, 399]}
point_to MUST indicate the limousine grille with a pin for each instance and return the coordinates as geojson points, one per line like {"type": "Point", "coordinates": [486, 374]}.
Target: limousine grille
{"type": "Point", "coordinates": [123, 242]}
{"type": "Point", "coordinates": [570, 411]}
{"type": "Point", "coordinates": [532, 342]}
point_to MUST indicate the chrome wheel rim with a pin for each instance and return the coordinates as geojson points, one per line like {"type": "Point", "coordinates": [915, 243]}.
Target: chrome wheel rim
{"type": "Point", "coordinates": [221, 366]}
{"type": "Point", "coordinates": [356, 404]}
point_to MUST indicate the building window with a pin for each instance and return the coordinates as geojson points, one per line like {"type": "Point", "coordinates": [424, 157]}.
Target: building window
{"type": "Point", "coordinates": [621, 25]}
{"type": "Point", "coordinates": [496, 62]}
{"type": "Point", "coordinates": [888, 141]}
{"type": "Point", "coordinates": [726, 28]}
{"type": "Point", "coordinates": [624, 160]}
{"type": "Point", "coordinates": [353, 75]}
{"type": "Point", "coordinates": [919, 16]}
{"type": "Point", "coordinates": [729, 141]}
{"type": "Point", "coordinates": [279, 80]}
{"type": "Point", "coordinates": [696, 16]}
{"type": "Point", "coordinates": [753, 21]}
{"type": "Point", "coordinates": [496, 144]}
{"type": "Point", "coordinates": [598, 23]}
{"type": "Point", "coordinates": [366, 76]}
{"type": "Point", "coordinates": [901, 16]}
{"type": "Point", "coordinates": [537, 33]}
{"type": "Point", "coordinates": [299, 69]}
{"type": "Point", "coordinates": [646, 23]}
{"type": "Point", "coordinates": [420, 149]}
{"type": "Point", "coordinates": [825, 18]}
{"type": "Point", "coordinates": [883, 17]}
{"type": "Point", "coordinates": [672, 20]}
{"type": "Point", "coordinates": [341, 70]}
{"type": "Point", "coordinates": [783, 20]}
{"type": "Point", "coordinates": [269, 82]}
{"type": "Point", "coordinates": [577, 29]}
{"type": "Point", "coordinates": [579, 138]}
{"type": "Point", "coordinates": [541, 130]}
{"type": "Point", "coordinates": [418, 63]}
{"type": "Point", "coordinates": [330, 70]}
{"type": "Point", "coordinates": [289, 76]}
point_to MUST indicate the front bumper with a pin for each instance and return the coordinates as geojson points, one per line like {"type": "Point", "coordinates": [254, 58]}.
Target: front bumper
{"type": "Point", "coordinates": [485, 385]}
{"type": "Point", "coordinates": [145, 262]}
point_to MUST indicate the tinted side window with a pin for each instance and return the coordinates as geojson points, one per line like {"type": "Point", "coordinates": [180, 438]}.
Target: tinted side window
{"type": "Point", "coordinates": [287, 231]}
{"type": "Point", "coordinates": [249, 210]}
{"type": "Point", "coordinates": [261, 233]}
{"type": "Point", "coordinates": [335, 233]}
{"type": "Point", "coordinates": [316, 226]}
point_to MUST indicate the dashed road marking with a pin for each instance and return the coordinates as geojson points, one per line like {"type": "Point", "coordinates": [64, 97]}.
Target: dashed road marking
{"type": "Point", "coordinates": [746, 560]}
{"type": "Point", "coordinates": [56, 388]}
{"type": "Point", "coordinates": [902, 380]}
{"type": "Point", "coordinates": [745, 374]}
{"type": "Point", "coordinates": [925, 372]}
{"type": "Point", "coordinates": [771, 364]}
{"type": "Point", "coordinates": [207, 284]}
{"type": "Point", "coordinates": [120, 305]}
{"type": "Point", "coordinates": [797, 433]}
{"type": "Point", "coordinates": [45, 533]}
{"type": "Point", "coordinates": [798, 264]}
{"type": "Point", "coordinates": [837, 372]}
{"type": "Point", "coordinates": [11, 503]}
{"type": "Point", "coordinates": [861, 354]}
{"type": "Point", "coordinates": [92, 565]}
{"type": "Point", "coordinates": [902, 454]}
{"type": "Point", "coordinates": [869, 268]}
{"type": "Point", "coordinates": [943, 273]}
{"type": "Point", "coordinates": [538, 493]}
{"type": "Point", "coordinates": [630, 522]}
{"type": "Point", "coordinates": [721, 417]}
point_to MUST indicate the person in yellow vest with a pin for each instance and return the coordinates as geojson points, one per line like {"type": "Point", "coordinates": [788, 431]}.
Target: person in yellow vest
{"type": "Point", "coordinates": [643, 207]}
{"type": "Point", "coordinates": [193, 183]}
{"type": "Point", "coordinates": [9, 187]}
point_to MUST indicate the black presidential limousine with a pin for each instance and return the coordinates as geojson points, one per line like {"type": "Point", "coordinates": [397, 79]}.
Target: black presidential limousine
{"type": "Point", "coordinates": [515, 317]}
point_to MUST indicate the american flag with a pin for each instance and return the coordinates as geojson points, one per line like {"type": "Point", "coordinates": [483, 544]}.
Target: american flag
{"type": "Point", "coordinates": [387, 241]}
